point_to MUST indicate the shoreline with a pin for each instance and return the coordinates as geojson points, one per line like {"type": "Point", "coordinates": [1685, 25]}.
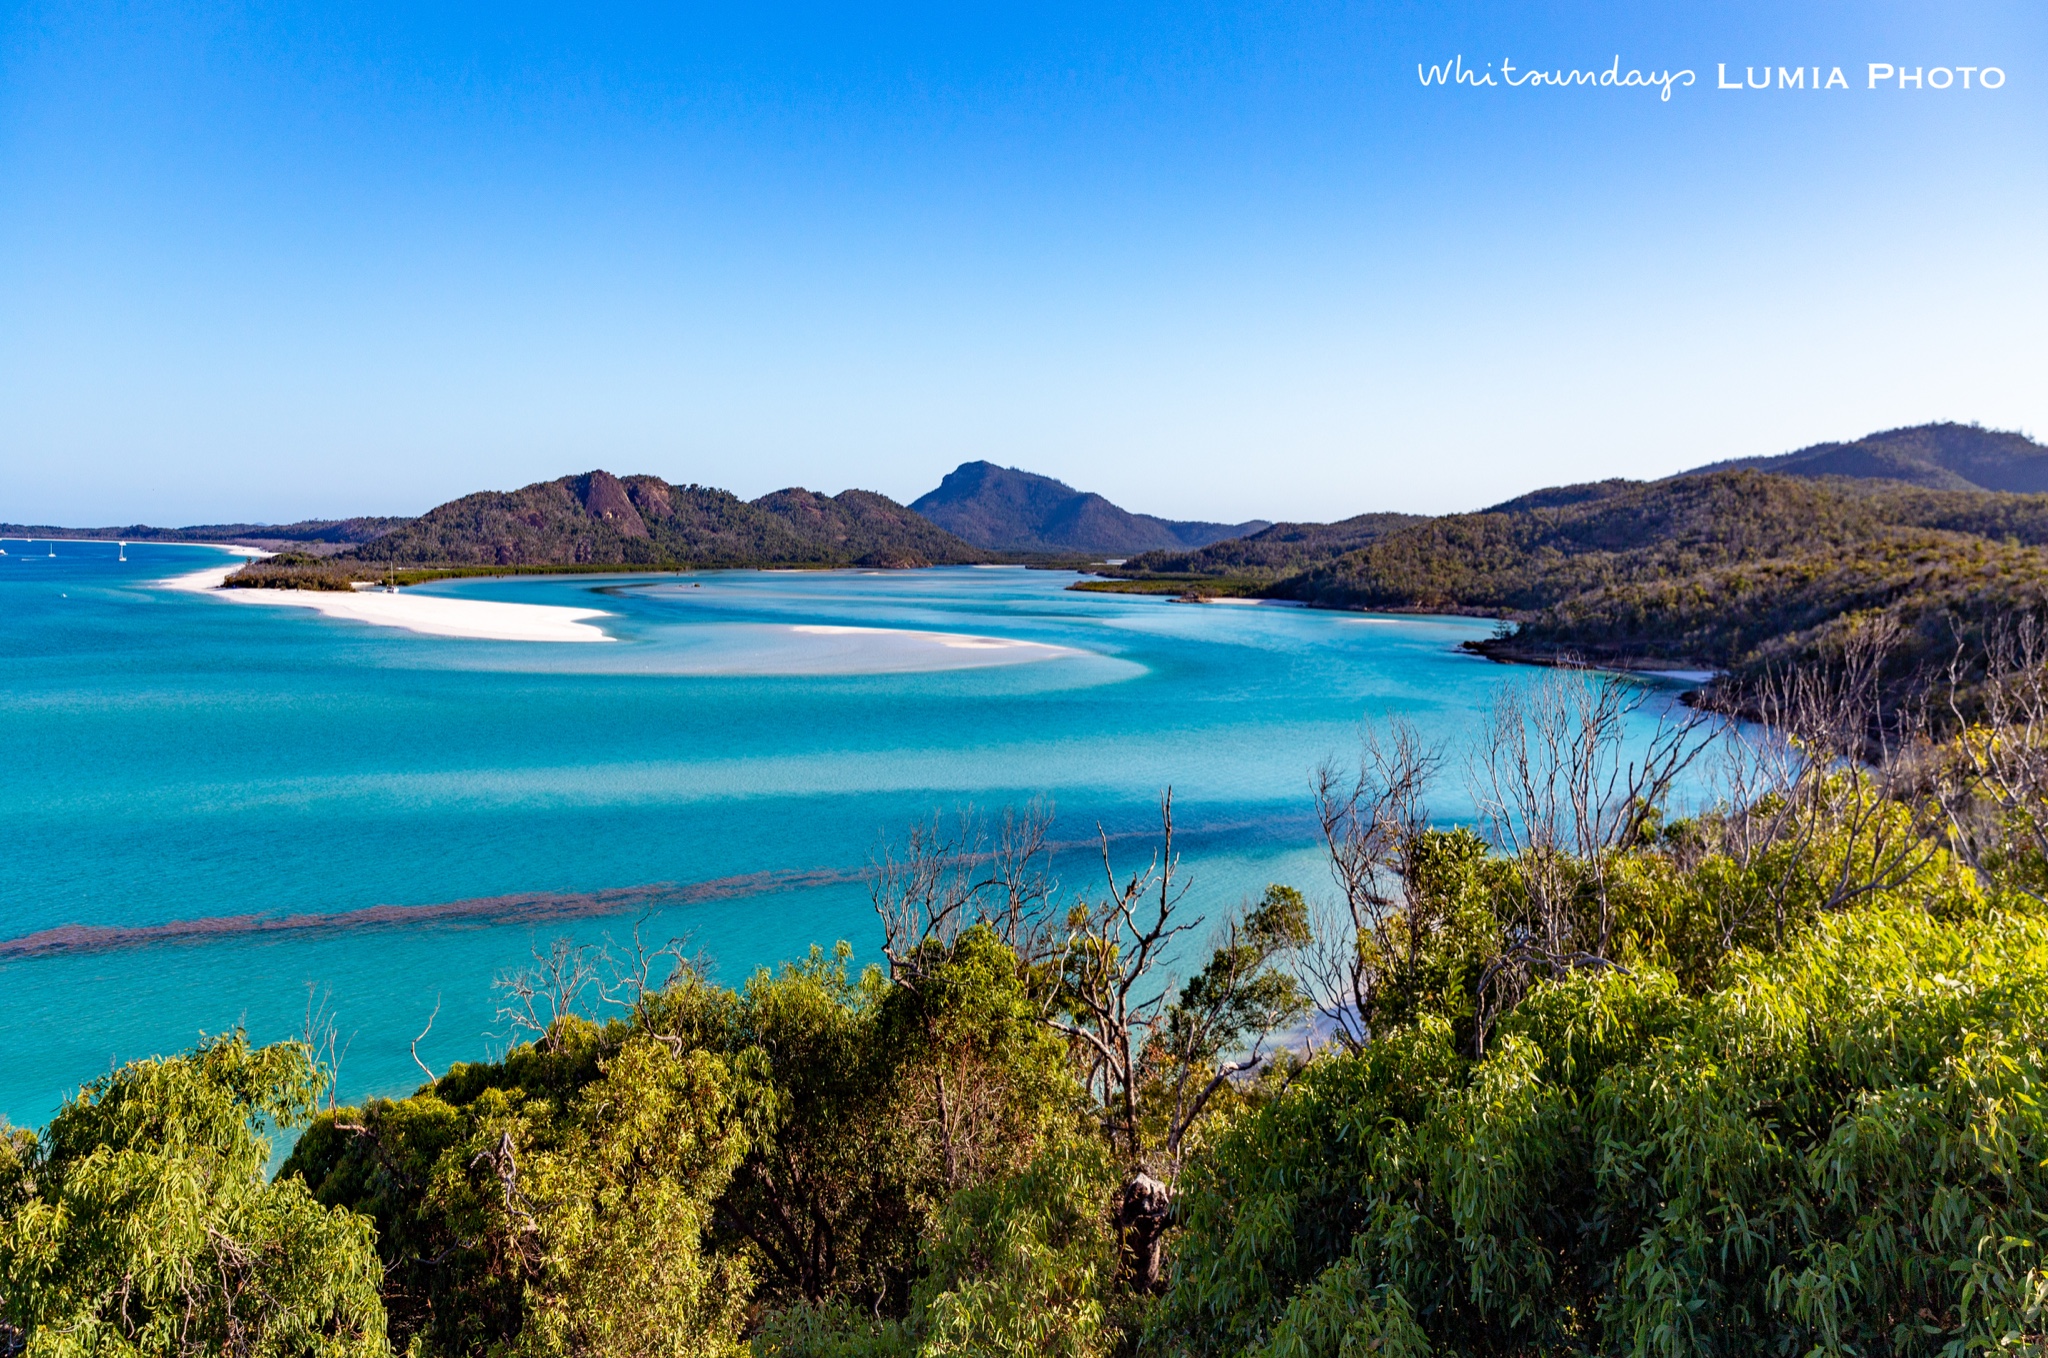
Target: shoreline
{"type": "Point", "coordinates": [426, 614]}
{"type": "Point", "coordinates": [437, 615]}
{"type": "Point", "coordinates": [1503, 651]}
{"type": "Point", "coordinates": [1016, 649]}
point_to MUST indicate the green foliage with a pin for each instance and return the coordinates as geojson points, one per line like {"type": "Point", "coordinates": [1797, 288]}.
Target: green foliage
{"type": "Point", "coordinates": [1242, 994]}
{"type": "Point", "coordinates": [1767, 1080]}
{"type": "Point", "coordinates": [1239, 993]}
{"type": "Point", "coordinates": [1838, 1150]}
{"type": "Point", "coordinates": [140, 1222]}
{"type": "Point", "coordinates": [1438, 947]}
{"type": "Point", "coordinates": [297, 570]}
{"type": "Point", "coordinates": [554, 1202]}
{"type": "Point", "coordinates": [869, 1104]}
{"type": "Point", "coordinates": [1026, 1264]}
{"type": "Point", "coordinates": [1021, 1266]}
{"type": "Point", "coordinates": [827, 1198]}
{"type": "Point", "coordinates": [634, 1187]}
{"type": "Point", "coordinates": [1269, 554]}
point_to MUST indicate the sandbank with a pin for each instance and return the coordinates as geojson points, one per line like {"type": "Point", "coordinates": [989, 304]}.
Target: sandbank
{"type": "Point", "coordinates": [955, 641]}
{"type": "Point", "coordinates": [199, 582]}
{"type": "Point", "coordinates": [434, 615]}
{"type": "Point", "coordinates": [438, 615]}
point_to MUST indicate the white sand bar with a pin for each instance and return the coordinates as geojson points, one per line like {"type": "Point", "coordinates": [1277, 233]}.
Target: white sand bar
{"type": "Point", "coordinates": [434, 615]}
{"type": "Point", "coordinates": [198, 582]}
{"type": "Point", "coordinates": [438, 615]}
{"type": "Point", "coordinates": [952, 641]}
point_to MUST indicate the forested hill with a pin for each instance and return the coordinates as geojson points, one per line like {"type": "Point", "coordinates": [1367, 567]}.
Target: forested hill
{"type": "Point", "coordinates": [598, 519]}
{"type": "Point", "coordinates": [1275, 551]}
{"type": "Point", "coordinates": [1728, 570]}
{"type": "Point", "coordinates": [1007, 510]}
{"type": "Point", "coordinates": [1732, 570]}
{"type": "Point", "coordinates": [1939, 456]}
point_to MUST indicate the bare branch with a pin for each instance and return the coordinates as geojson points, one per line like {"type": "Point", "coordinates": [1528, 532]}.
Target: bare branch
{"type": "Point", "coordinates": [536, 998]}
{"type": "Point", "coordinates": [423, 1037]}
{"type": "Point", "coordinates": [944, 880]}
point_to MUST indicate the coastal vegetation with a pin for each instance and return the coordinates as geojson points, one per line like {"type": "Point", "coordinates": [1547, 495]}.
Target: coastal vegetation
{"type": "Point", "coordinates": [1270, 554]}
{"type": "Point", "coordinates": [1181, 586]}
{"type": "Point", "coordinates": [1733, 570]}
{"type": "Point", "coordinates": [599, 519]}
{"type": "Point", "coordinates": [296, 570]}
{"type": "Point", "coordinates": [1596, 1072]}
{"type": "Point", "coordinates": [599, 522]}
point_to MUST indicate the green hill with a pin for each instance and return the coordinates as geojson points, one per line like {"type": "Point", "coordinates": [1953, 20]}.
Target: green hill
{"type": "Point", "coordinates": [603, 521]}
{"type": "Point", "coordinates": [1731, 570]}
{"type": "Point", "coordinates": [1275, 551]}
{"type": "Point", "coordinates": [1939, 456]}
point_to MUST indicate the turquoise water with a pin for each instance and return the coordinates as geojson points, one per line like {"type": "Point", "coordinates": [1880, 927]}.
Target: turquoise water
{"type": "Point", "coordinates": [177, 757]}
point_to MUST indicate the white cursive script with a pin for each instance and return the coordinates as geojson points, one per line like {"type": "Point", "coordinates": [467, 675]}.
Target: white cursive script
{"type": "Point", "coordinates": [1456, 72]}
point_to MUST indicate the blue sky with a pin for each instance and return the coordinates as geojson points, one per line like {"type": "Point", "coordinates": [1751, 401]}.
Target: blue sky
{"type": "Point", "coordinates": [276, 261]}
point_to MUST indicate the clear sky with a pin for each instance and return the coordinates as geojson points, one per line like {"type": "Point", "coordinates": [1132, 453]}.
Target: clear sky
{"type": "Point", "coordinates": [286, 260]}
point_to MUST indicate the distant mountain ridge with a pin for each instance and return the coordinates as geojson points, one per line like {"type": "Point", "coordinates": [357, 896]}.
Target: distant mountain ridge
{"type": "Point", "coordinates": [1003, 509]}
{"type": "Point", "coordinates": [1946, 456]}
{"type": "Point", "coordinates": [306, 535]}
{"type": "Point", "coordinates": [598, 519]}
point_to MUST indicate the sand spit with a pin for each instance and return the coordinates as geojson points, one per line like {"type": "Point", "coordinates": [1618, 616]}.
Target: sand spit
{"type": "Point", "coordinates": [435, 615]}
{"type": "Point", "coordinates": [198, 582]}
{"type": "Point", "coordinates": [954, 641]}
{"type": "Point", "coordinates": [438, 615]}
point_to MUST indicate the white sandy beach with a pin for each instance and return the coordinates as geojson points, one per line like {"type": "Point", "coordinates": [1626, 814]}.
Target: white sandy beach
{"type": "Point", "coordinates": [434, 615]}
{"type": "Point", "coordinates": [199, 582]}
{"type": "Point", "coordinates": [957, 641]}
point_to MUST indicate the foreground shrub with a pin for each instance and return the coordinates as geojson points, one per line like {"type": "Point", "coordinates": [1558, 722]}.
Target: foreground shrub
{"type": "Point", "coordinates": [1022, 1266]}
{"type": "Point", "coordinates": [551, 1203]}
{"type": "Point", "coordinates": [1840, 1150]}
{"type": "Point", "coordinates": [649, 1185]}
{"type": "Point", "coordinates": [140, 1222]}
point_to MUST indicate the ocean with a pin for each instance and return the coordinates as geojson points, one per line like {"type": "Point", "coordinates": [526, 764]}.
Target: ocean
{"type": "Point", "coordinates": [214, 813]}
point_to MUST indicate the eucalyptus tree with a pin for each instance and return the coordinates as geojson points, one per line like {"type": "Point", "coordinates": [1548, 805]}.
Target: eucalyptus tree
{"type": "Point", "coordinates": [140, 1221]}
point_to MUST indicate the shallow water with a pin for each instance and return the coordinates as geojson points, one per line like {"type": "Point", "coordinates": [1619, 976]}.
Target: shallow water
{"type": "Point", "coordinates": [725, 769]}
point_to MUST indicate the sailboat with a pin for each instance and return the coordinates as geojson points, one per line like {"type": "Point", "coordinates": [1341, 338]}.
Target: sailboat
{"type": "Point", "coordinates": [124, 552]}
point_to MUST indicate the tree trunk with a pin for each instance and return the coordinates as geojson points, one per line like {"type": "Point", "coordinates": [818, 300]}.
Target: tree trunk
{"type": "Point", "coordinates": [1141, 1224]}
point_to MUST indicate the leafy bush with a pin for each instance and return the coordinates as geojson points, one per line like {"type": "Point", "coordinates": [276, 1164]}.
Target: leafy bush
{"type": "Point", "coordinates": [1839, 1150]}
{"type": "Point", "coordinates": [140, 1223]}
{"type": "Point", "coordinates": [1022, 1266]}
{"type": "Point", "coordinates": [551, 1203]}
